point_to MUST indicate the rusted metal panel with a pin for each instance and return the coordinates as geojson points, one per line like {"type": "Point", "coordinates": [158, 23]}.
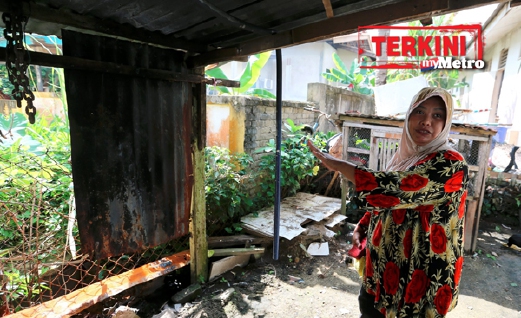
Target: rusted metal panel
{"type": "Point", "coordinates": [131, 147]}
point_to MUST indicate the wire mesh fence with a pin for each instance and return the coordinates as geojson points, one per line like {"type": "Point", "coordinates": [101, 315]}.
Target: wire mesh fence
{"type": "Point", "coordinates": [40, 254]}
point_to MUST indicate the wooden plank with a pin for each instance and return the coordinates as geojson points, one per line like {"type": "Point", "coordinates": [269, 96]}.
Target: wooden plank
{"type": "Point", "coordinates": [358, 150]}
{"type": "Point", "coordinates": [236, 251]}
{"type": "Point", "coordinates": [104, 26]}
{"type": "Point", "coordinates": [198, 241]}
{"type": "Point", "coordinates": [345, 24]}
{"type": "Point", "coordinates": [469, 137]}
{"type": "Point", "coordinates": [76, 63]}
{"type": "Point", "coordinates": [78, 300]}
{"type": "Point", "coordinates": [222, 266]}
{"type": "Point", "coordinates": [328, 8]}
{"type": "Point", "coordinates": [373, 156]}
{"type": "Point", "coordinates": [234, 240]}
{"type": "Point", "coordinates": [471, 133]}
{"type": "Point", "coordinates": [470, 223]}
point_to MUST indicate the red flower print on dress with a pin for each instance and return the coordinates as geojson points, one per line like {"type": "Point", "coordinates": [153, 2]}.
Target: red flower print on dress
{"type": "Point", "coordinates": [452, 155]}
{"type": "Point", "coordinates": [413, 182]}
{"type": "Point", "coordinates": [425, 208]}
{"type": "Point", "coordinates": [425, 216]}
{"type": "Point", "coordinates": [399, 216]}
{"type": "Point", "coordinates": [457, 271]}
{"type": "Point", "coordinates": [407, 243]}
{"type": "Point", "coordinates": [455, 182]}
{"type": "Point", "coordinates": [391, 278]}
{"type": "Point", "coordinates": [438, 239]}
{"type": "Point", "coordinates": [368, 264]}
{"type": "Point", "coordinates": [382, 200]}
{"type": "Point", "coordinates": [429, 157]}
{"type": "Point", "coordinates": [377, 295]}
{"type": "Point", "coordinates": [461, 209]}
{"type": "Point", "coordinates": [417, 286]}
{"type": "Point", "coordinates": [377, 234]}
{"type": "Point", "coordinates": [365, 181]}
{"type": "Point", "coordinates": [443, 299]}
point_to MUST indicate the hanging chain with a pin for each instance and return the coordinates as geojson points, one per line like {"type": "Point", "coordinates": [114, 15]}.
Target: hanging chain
{"type": "Point", "coordinates": [15, 61]}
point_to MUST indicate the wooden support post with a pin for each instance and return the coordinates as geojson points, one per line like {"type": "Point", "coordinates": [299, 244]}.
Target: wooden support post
{"type": "Point", "coordinates": [198, 241]}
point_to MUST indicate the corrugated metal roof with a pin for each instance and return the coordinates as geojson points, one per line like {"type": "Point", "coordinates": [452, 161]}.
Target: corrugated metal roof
{"type": "Point", "coordinates": [225, 28]}
{"type": "Point", "coordinates": [131, 147]}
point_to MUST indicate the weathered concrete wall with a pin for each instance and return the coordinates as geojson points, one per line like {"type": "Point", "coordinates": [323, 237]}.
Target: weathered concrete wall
{"type": "Point", "coordinates": [245, 123]}
{"type": "Point", "coordinates": [258, 119]}
{"type": "Point", "coordinates": [338, 100]}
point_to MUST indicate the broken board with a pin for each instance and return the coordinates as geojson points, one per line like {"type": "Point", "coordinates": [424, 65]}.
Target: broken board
{"type": "Point", "coordinates": [294, 211]}
{"type": "Point", "coordinates": [221, 266]}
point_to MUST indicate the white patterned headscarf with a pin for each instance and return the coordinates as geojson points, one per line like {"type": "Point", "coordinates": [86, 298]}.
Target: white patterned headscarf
{"type": "Point", "coordinates": [408, 152]}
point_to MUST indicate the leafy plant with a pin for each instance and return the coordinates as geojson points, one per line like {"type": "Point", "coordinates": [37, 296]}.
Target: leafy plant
{"type": "Point", "coordinates": [248, 78]}
{"type": "Point", "coordinates": [359, 80]}
{"type": "Point", "coordinates": [298, 164]}
{"type": "Point", "coordinates": [226, 188]}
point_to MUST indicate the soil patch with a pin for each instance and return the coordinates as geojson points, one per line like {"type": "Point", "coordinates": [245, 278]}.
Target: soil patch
{"type": "Point", "coordinates": [327, 286]}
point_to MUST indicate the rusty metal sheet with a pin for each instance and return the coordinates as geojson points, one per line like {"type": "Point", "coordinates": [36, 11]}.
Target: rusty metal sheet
{"type": "Point", "coordinates": [131, 147]}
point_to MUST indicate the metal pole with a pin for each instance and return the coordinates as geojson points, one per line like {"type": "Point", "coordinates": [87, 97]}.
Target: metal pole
{"type": "Point", "coordinates": [276, 215]}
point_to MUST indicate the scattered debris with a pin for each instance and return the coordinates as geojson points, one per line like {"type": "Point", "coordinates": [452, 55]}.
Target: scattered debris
{"type": "Point", "coordinates": [494, 253]}
{"type": "Point", "coordinates": [318, 249]}
{"type": "Point", "coordinates": [294, 211]}
{"type": "Point", "coordinates": [125, 312]}
{"type": "Point", "coordinates": [506, 227]}
{"type": "Point", "coordinates": [225, 296]}
{"type": "Point", "coordinates": [188, 294]}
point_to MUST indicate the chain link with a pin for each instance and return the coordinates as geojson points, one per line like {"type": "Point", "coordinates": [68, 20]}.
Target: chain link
{"type": "Point", "coordinates": [15, 61]}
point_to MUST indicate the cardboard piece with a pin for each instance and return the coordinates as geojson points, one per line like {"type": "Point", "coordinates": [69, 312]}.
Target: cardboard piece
{"type": "Point", "coordinates": [294, 211]}
{"type": "Point", "coordinates": [228, 263]}
{"type": "Point", "coordinates": [318, 249]}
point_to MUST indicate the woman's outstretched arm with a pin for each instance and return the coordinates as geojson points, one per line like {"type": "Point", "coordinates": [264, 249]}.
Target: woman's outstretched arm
{"type": "Point", "coordinates": [332, 163]}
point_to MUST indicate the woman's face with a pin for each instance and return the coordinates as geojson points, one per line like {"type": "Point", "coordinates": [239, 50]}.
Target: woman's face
{"type": "Point", "coordinates": [427, 120]}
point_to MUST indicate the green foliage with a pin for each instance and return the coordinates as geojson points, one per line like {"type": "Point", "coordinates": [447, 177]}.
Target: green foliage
{"type": "Point", "coordinates": [248, 78]}
{"type": "Point", "coordinates": [359, 80]}
{"type": "Point", "coordinates": [298, 165]}
{"type": "Point", "coordinates": [226, 188]}
{"type": "Point", "coordinates": [35, 191]}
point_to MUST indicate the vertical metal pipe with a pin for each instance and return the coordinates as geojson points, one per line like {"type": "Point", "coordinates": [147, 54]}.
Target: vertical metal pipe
{"type": "Point", "coordinates": [276, 214]}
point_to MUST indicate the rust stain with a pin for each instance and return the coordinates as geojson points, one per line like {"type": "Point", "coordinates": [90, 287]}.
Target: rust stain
{"type": "Point", "coordinates": [83, 298]}
{"type": "Point", "coordinates": [131, 148]}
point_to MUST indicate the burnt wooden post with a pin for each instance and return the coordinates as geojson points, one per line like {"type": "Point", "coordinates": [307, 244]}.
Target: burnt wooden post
{"type": "Point", "coordinates": [198, 240]}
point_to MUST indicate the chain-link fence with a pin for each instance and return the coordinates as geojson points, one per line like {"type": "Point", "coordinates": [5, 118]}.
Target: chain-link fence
{"type": "Point", "coordinates": [40, 258]}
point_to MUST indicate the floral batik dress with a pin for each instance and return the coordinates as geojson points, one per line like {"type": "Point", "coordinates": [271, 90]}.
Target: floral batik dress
{"type": "Point", "coordinates": [415, 221]}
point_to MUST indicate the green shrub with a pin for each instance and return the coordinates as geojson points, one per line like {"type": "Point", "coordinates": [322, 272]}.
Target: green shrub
{"type": "Point", "coordinates": [298, 166]}
{"type": "Point", "coordinates": [226, 188]}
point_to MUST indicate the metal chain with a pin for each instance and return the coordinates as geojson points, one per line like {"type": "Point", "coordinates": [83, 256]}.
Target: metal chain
{"type": "Point", "coordinates": [15, 61]}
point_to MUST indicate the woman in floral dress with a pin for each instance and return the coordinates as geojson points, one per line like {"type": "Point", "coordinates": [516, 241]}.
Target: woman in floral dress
{"type": "Point", "coordinates": [415, 215]}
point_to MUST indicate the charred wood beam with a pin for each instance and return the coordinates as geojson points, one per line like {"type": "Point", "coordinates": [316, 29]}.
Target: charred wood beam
{"type": "Point", "coordinates": [328, 8]}
{"type": "Point", "coordinates": [345, 24]}
{"type": "Point", "coordinates": [234, 21]}
{"type": "Point", "coordinates": [69, 62]}
{"type": "Point", "coordinates": [66, 18]}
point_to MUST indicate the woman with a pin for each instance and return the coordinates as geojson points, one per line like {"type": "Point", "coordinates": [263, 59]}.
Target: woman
{"type": "Point", "coordinates": [414, 223]}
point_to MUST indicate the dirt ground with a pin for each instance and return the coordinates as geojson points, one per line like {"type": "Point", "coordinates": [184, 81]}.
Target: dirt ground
{"type": "Point", "coordinates": [327, 286]}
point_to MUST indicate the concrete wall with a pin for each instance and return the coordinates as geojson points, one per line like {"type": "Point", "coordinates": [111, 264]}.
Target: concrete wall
{"type": "Point", "coordinates": [336, 100]}
{"type": "Point", "coordinates": [244, 123]}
